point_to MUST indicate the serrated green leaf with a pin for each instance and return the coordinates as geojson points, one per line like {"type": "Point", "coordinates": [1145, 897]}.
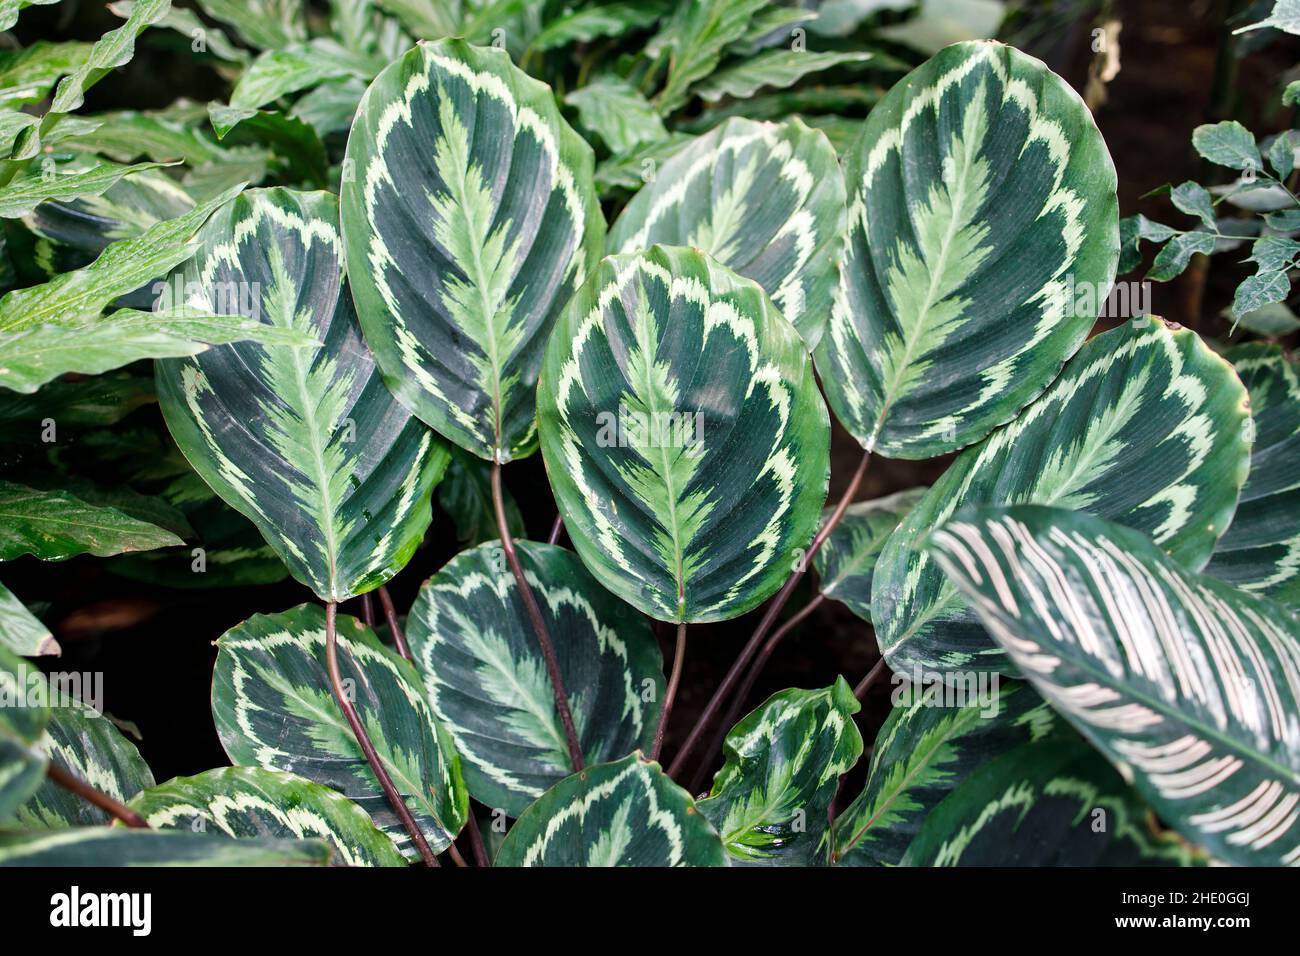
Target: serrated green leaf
{"type": "Point", "coordinates": [1261, 289]}
{"type": "Point", "coordinates": [21, 631]}
{"type": "Point", "coordinates": [1146, 426]}
{"type": "Point", "coordinates": [775, 68]}
{"type": "Point", "coordinates": [1281, 155]}
{"type": "Point", "coordinates": [616, 111]}
{"type": "Point", "coordinates": [625, 813]}
{"type": "Point", "coordinates": [1227, 143]}
{"type": "Point", "coordinates": [487, 682]}
{"type": "Point", "coordinates": [684, 437]}
{"type": "Point", "coordinates": [846, 561]}
{"type": "Point", "coordinates": [118, 846]}
{"type": "Point", "coordinates": [979, 158]}
{"type": "Point", "coordinates": [1274, 253]}
{"type": "Point", "coordinates": [469, 219]}
{"type": "Point", "coordinates": [54, 525]}
{"type": "Point", "coordinates": [1194, 200]}
{"type": "Point", "coordinates": [1177, 253]}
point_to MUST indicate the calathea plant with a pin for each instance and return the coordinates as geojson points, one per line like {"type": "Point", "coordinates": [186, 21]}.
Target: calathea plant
{"type": "Point", "coordinates": [1089, 615]}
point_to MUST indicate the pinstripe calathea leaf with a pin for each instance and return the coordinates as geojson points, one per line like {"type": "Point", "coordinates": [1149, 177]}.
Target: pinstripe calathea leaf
{"type": "Point", "coordinates": [307, 443]}
{"type": "Point", "coordinates": [470, 218]}
{"type": "Point", "coordinates": [846, 561]}
{"type": "Point", "coordinates": [1189, 686]}
{"type": "Point", "coordinates": [1146, 426]}
{"type": "Point", "coordinates": [1260, 552]}
{"type": "Point", "coordinates": [24, 715]}
{"type": "Point", "coordinates": [1051, 803]}
{"type": "Point", "coordinates": [765, 199]}
{"type": "Point", "coordinates": [981, 195]}
{"type": "Point", "coordinates": [486, 679]}
{"type": "Point", "coordinates": [624, 813]}
{"type": "Point", "coordinates": [273, 708]}
{"type": "Point", "coordinates": [684, 436]}
{"type": "Point", "coordinates": [937, 735]}
{"type": "Point", "coordinates": [248, 802]}
{"type": "Point", "coordinates": [783, 765]}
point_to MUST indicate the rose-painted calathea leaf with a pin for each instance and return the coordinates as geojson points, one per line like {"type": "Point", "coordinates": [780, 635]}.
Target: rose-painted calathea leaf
{"type": "Point", "coordinates": [119, 846]}
{"type": "Point", "coordinates": [1145, 426]}
{"type": "Point", "coordinates": [1055, 802]}
{"type": "Point", "coordinates": [783, 764]}
{"type": "Point", "coordinates": [764, 199]}
{"type": "Point", "coordinates": [624, 813]}
{"type": "Point", "coordinates": [486, 679]}
{"type": "Point", "coordinates": [1260, 551]}
{"type": "Point", "coordinates": [244, 802]}
{"type": "Point", "coordinates": [21, 631]}
{"type": "Point", "coordinates": [938, 734]}
{"type": "Point", "coordinates": [273, 708]}
{"type": "Point", "coordinates": [981, 196]}
{"type": "Point", "coordinates": [684, 436]}
{"type": "Point", "coordinates": [307, 443]}
{"type": "Point", "coordinates": [846, 562]}
{"type": "Point", "coordinates": [23, 719]}
{"type": "Point", "coordinates": [470, 218]}
{"type": "Point", "coordinates": [1189, 686]}
{"type": "Point", "coordinates": [53, 525]}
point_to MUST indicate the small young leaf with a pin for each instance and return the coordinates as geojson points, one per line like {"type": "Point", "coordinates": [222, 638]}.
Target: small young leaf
{"type": "Point", "coordinates": [1259, 290]}
{"type": "Point", "coordinates": [618, 113]}
{"type": "Point", "coordinates": [1227, 143]}
{"type": "Point", "coordinates": [1177, 253]}
{"type": "Point", "coordinates": [1193, 199]}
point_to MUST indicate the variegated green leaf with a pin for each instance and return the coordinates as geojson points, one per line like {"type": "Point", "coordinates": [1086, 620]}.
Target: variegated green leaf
{"type": "Point", "coordinates": [782, 767]}
{"type": "Point", "coordinates": [470, 218]}
{"type": "Point", "coordinates": [684, 436]}
{"type": "Point", "coordinates": [246, 802]}
{"type": "Point", "coordinates": [1146, 426]}
{"type": "Point", "coordinates": [24, 715]}
{"type": "Point", "coordinates": [112, 50]}
{"type": "Point", "coordinates": [21, 631]}
{"type": "Point", "coordinates": [487, 681]}
{"type": "Point", "coordinates": [694, 38]}
{"type": "Point", "coordinates": [625, 813]}
{"type": "Point", "coordinates": [54, 525]}
{"type": "Point", "coordinates": [274, 709]}
{"type": "Point", "coordinates": [938, 734]}
{"type": "Point", "coordinates": [1189, 686]}
{"type": "Point", "coordinates": [765, 199]}
{"type": "Point", "coordinates": [1052, 803]}
{"type": "Point", "coordinates": [980, 196]}
{"type": "Point", "coordinates": [119, 846]}
{"type": "Point", "coordinates": [307, 443]}
{"type": "Point", "coordinates": [87, 745]}
{"type": "Point", "coordinates": [846, 561]}
{"type": "Point", "coordinates": [25, 193]}
{"type": "Point", "coordinates": [1260, 551]}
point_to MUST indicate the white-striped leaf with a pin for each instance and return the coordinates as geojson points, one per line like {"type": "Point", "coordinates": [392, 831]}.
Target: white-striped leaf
{"type": "Point", "coordinates": [846, 562]}
{"type": "Point", "coordinates": [23, 718]}
{"type": "Point", "coordinates": [274, 709]}
{"type": "Point", "coordinates": [248, 802]}
{"type": "Point", "coordinates": [1260, 552]}
{"type": "Point", "coordinates": [487, 681]}
{"type": "Point", "coordinates": [782, 767]}
{"type": "Point", "coordinates": [924, 750]}
{"type": "Point", "coordinates": [624, 813]}
{"type": "Point", "coordinates": [1146, 426]}
{"type": "Point", "coordinates": [119, 846]}
{"type": "Point", "coordinates": [684, 436]}
{"type": "Point", "coordinates": [765, 199]}
{"type": "Point", "coordinates": [980, 195]}
{"type": "Point", "coordinates": [1051, 803]}
{"type": "Point", "coordinates": [1189, 686]}
{"type": "Point", "coordinates": [470, 218]}
{"type": "Point", "coordinates": [21, 631]}
{"type": "Point", "coordinates": [307, 443]}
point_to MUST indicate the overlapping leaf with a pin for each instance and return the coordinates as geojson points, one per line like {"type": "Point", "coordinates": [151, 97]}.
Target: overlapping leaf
{"type": "Point", "coordinates": [980, 196]}
{"type": "Point", "coordinates": [118, 846]}
{"type": "Point", "coordinates": [487, 682]}
{"type": "Point", "coordinates": [625, 813]}
{"type": "Point", "coordinates": [470, 218]}
{"type": "Point", "coordinates": [683, 434]}
{"type": "Point", "coordinates": [54, 525]}
{"type": "Point", "coordinates": [23, 720]}
{"type": "Point", "coordinates": [273, 708]}
{"type": "Point", "coordinates": [21, 631]}
{"type": "Point", "coordinates": [248, 802]}
{"type": "Point", "coordinates": [765, 199]}
{"type": "Point", "coordinates": [307, 443]}
{"type": "Point", "coordinates": [783, 764]}
{"type": "Point", "coordinates": [1189, 686]}
{"type": "Point", "coordinates": [1145, 426]}
{"type": "Point", "coordinates": [846, 562]}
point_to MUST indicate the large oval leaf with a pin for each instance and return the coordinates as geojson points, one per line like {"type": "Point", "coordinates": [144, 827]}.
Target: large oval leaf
{"type": "Point", "coordinates": [470, 218]}
{"type": "Point", "coordinates": [764, 199]}
{"type": "Point", "coordinates": [922, 752]}
{"type": "Point", "coordinates": [248, 802]}
{"type": "Point", "coordinates": [1146, 426]}
{"type": "Point", "coordinates": [625, 813]}
{"type": "Point", "coordinates": [1189, 686]}
{"type": "Point", "coordinates": [782, 769]}
{"type": "Point", "coordinates": [981, 195]}
{"type": "Point", "coordinates": [307, 443]}
{"type": "Point", "coordinates": [1260, 552]}
{"type": "Point", "coordinates": [273, 707]}
{"type": "Point", "coordinates": [487, 682]}
{"type": "Point", "coordinates": [846, 562]}
{"type": "Point", "coordinates": [684, 436]}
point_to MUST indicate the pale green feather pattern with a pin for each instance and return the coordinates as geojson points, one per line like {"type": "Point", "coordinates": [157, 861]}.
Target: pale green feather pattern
{"type": "Point", "coordinates": [718, 234]}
